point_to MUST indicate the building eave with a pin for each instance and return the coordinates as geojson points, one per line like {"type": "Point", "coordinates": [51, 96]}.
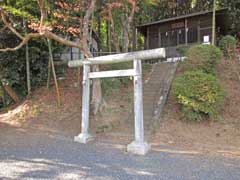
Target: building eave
{"type": "Point", "coordinates": [142, 28]}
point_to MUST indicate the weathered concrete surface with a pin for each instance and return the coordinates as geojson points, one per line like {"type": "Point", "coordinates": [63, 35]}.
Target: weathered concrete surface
{"type": "Point", "coordinates": [120, 58]}
{"type": "Point", "coordinates": [138, 148]}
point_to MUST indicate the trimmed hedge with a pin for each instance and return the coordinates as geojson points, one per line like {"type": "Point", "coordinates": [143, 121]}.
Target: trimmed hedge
{"type": "Point", "coordinates": [228, 45]}
{"type": "Point", "coordinates": [203, 57]}
{"type": "Point", "coordinates": [199, 94]}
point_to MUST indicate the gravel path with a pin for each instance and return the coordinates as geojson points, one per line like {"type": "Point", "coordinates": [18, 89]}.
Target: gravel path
{"type": "Point", "coordinates": [31, 154]}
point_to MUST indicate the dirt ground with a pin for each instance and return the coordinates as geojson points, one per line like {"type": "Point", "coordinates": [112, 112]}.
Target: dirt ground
{"type": "Point", "coordinates": [40, 111]}
{"type": "Point", "coordinates": [218, 135]}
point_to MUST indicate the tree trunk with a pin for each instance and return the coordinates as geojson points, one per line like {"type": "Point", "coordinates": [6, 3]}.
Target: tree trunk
{"type": "Point", "coordinates": [113, 33]}
{"type": "Point", "coordinates": [126, 23]}
{"type": "Point", "coordinates": [115, 42]}
{"type": "Point", "coordinates": [44, 32]}
{"type": "Point", "coordinates": [214, 22]}
{"type": "Point", "coordinates": [28, 70]}
{"type": "Point", "coordinates": [49, 74]}
{"type": "Point", "coordinates": [53, 71]}
{"type": "Point", "coordinates": [99, 22]}
{"type": "Point", "coordinates": [134, 44]}
{"type": "Point", "coordinates": [97, 99]}
{"type": "Point", "coordinates": [3, 95]}
{"type": "Point", "coordinates": [78, 77]}
{"type": "Point", "coordinates": [125, 35]}
{"type": "Point", "coordinates": [4, 98]}
{"type": "Point", "coordinates": [108, 37]}
{"type": "Point", "coordinates": [11, 93]}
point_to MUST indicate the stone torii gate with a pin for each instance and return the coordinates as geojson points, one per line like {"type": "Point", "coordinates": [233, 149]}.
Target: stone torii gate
{"type": "Point", "coordinates": [138, 146]}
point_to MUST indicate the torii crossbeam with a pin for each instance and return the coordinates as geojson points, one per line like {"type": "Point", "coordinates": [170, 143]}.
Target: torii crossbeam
{"type": "Point", "coordinates": [138, 146]}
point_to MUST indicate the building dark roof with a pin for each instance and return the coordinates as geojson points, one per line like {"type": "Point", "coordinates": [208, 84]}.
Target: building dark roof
{"type": "Point", "coordinates": [143, 26]}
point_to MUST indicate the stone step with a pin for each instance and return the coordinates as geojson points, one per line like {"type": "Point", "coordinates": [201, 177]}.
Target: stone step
{"type": "Point", "coordinates": [150, 97]}
{"type": "Point", "coordinates": [150, 91]}
{"type": "Point", "coordinates": [152, 88]}
{"type": "Point", "coordinates": [148, 113]}
{"type": "Point", "coordinates": [151, 94]}
{"type": "Point", "coordinates": [148, 106]}
{"type": "Point", "coordinates": [147, 101]}
{"type": "Point", "coordinates": [157, 82]}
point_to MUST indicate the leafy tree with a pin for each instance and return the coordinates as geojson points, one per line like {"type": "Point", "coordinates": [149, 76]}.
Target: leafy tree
{"type": "Point", "coordinates": [44, 24]}
{"type": "Point", "coordinates": [233, 7]}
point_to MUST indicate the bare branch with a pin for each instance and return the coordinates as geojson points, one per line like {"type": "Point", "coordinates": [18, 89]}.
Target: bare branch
{"type": "Point", "coordinates": [61, 40]}
{"type": "Point", "coordinates": [44, 33]}
{"type": "Point", "coordinates": [41, 4]}
{"type": "Point", "coordinates": [9, 26]}
{"type": "Point", "coordinates": [24, 41]}
{"type": "Point", "coordinates": [113, 32]}
{"type": "Point", "coordinates": [49, 35]}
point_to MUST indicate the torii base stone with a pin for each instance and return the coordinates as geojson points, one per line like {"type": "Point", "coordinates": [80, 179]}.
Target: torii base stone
{"type": "Point", "coordinates": [139, 148]}
{"type": "Point", "coordinates": [83, 138]}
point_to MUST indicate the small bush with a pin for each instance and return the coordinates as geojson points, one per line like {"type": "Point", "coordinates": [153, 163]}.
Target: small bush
{"type": "Point", "coordinates": [203, 57]}
{"type": "Point", "coordinates": [228, 45]}
{"type": "Point", "coordinates": [199, 94]}
{"type": "Point", "coordinates": [182, 50]}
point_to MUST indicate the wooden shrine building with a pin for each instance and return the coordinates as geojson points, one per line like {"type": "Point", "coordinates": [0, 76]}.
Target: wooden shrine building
{"type": "Point", "coordinates": [185, 30]}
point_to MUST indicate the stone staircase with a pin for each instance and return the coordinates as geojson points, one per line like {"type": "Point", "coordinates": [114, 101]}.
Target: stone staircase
{"type": "Point", "coordinates": [155, 92]}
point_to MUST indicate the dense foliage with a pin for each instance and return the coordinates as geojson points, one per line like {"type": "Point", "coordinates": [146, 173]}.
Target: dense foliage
{"type": "Point", "coordinates": [199, 94]}
{"type": "Point", "coordinates": [228, 46]}
{"type": "Point", "coordinates": [113, 21]}
{"type": "Point", "coordinates": [204, 57]}
{"type": "Point", "coordinates": [197, 90]}
{"type": "Point", "coordinates": [233, 7]}
{"type": "Point", "coordinates": [13, 68]}
{"type": "Point", "coordinates": [182, 50]}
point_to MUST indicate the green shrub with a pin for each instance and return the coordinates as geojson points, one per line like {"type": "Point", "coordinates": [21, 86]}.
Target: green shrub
{"type": "Point", "coordinates": [203, 57]}
{"type": "Point", "coordinates": [183, 50]}
{"type": "Point", "coordinates": [228, 45]}
{"type": "Point", "coordinates": [12, 64]}
{"type": "Point", "coordinates": [199, 94]}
